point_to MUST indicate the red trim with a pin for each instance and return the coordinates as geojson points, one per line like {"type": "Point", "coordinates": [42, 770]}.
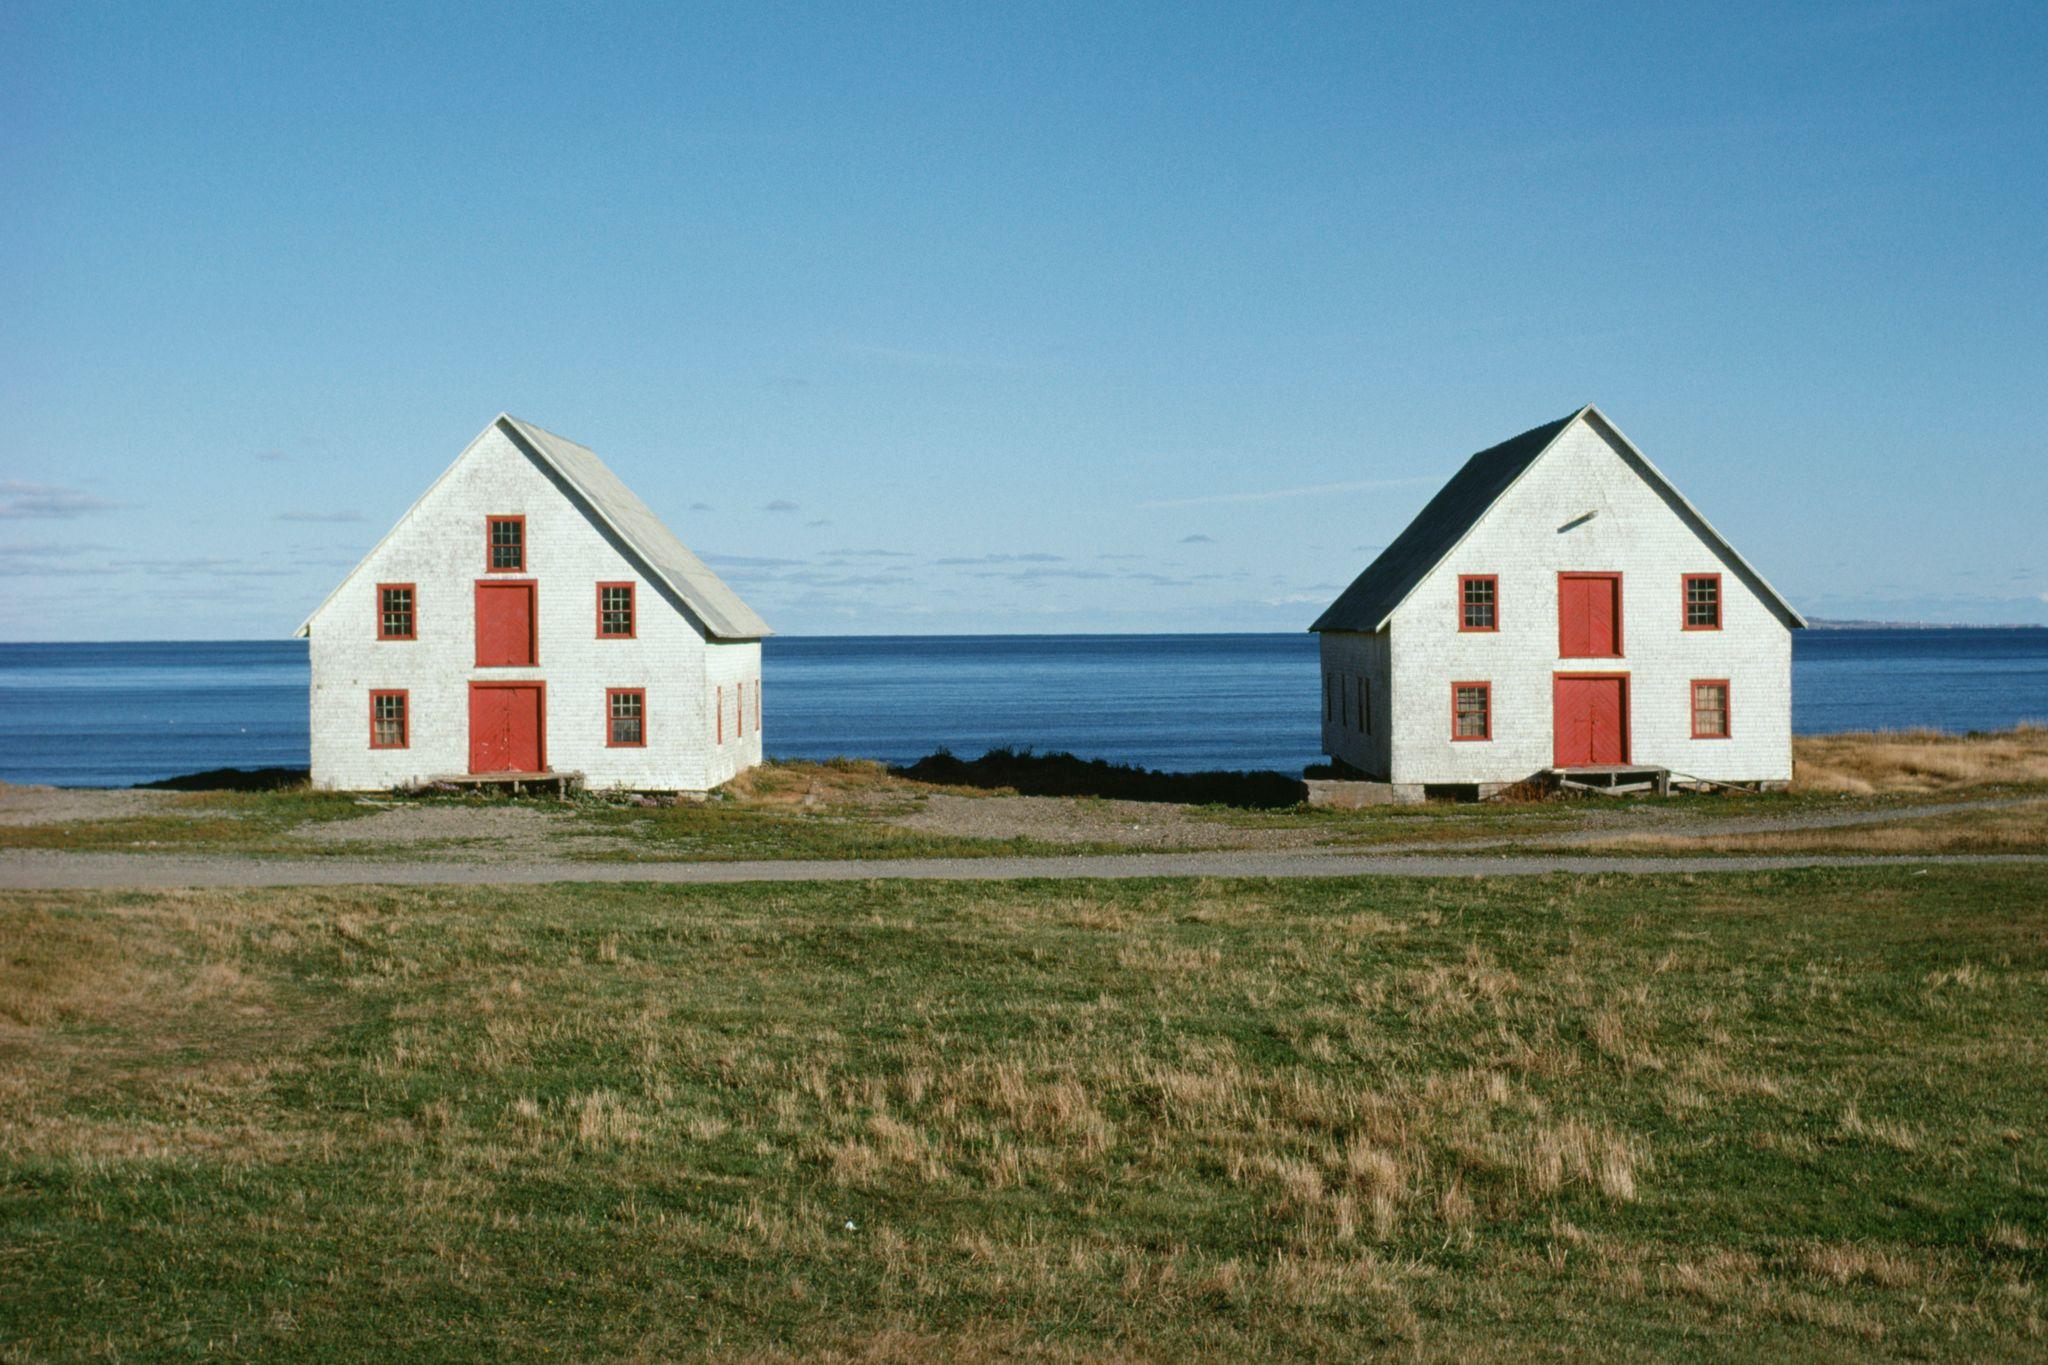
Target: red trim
{"type": "Point", "coordinates": [1692, 709]}
{"type": "Point", "coordinates": [1465, 578]}
{"type": "Point", "coordinates": [489, 522]}
{"type": "Point", "coordinates": [611, 692]}
{"type": "Point", "coordinates": [404, 720]}
{"type": "Point", "coordinates": [1685, 583]}
{"type": "Point", "coordinates": [721, 713]}
{"type": "Point", "coordinates": [632, 613]}
{"type": "Point", "coordinates": [532, 586]}
{"type": "Point", "coordinates": [1485, 687]}
{"type": "Point", "coordinates": [541, 739]}
{"type": "Point", "coordinates": [739, 710]}
{"type": "Point", "coordinates": [1628, 729]}
{"type": "Point", "coordinates": [1619, 649]}
{"type": "Point", "coordinates": [414, 634]}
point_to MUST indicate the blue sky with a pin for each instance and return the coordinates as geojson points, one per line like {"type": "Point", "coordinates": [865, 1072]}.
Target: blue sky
{"type": "Point", "coordinates": [1018, 318]}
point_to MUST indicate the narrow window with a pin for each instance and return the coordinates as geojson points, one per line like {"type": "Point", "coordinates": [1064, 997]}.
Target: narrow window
{"type": "Point", "coordinates": [1471, 710]}
{"type": "Point", "coordinates": [1710, 708]}
{"type": "Point", "coordinates": [1365, 704]}
{"type": "Point", "coordinates": [615, 611]}
{"type": "Point", "coordinates": [390, 726]}
{"type": "Point", "coordinates": [1478, 601]}
{"type": "Point", "coordinates": [506, 541]}
{"type": "Point", "coordinates": [739, 710]}
{"type": "Point", "coordinates": [1327, 713]}
{"type": "Point", "coordinates": [395, 615]}
{"type": "Point", "coordinates": [626, 717]}
{"type": "Point", "coordinates": [721, 715]}
{"type": "Point", "coordinates": [1703, 601]}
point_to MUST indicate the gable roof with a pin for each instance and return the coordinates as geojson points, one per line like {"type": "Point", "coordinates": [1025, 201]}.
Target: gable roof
{"type": "Point", "coordinates": [618, 509]}
{"type": "Point", "coordinates": [1444, 522]}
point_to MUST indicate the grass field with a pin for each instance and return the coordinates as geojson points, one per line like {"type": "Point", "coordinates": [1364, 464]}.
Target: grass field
{"type": "Point", "coordinates": [1782, 1116]}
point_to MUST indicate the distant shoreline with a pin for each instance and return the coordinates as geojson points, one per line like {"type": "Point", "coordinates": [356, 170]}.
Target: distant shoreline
{"type": "Point", "coordinates": [1823, 623]}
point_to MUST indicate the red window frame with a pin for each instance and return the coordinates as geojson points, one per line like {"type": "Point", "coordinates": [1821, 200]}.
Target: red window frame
{"type": "Point", "coordinates": [404, 696]}
{"type": "Point", "coordinates": [1692, 707]}
{"type": "Point", "coordinates": [611, 738]}
{"type": "Point", "coordinates": [412, 611]}
{"type": "Point", "coordinates": [632, 630]}
{"type": "Point", "coordinates": [1467, 629]}
{"type": "Point", "coordinates": [719, 703]}
{"type": "Point", "coordinates": [739, 711]}
{"type": "Point", "coordinates": [1685, 601]}
{"type": "Point", "coordinates": [1486, 690]}
{"type": "Point", "coordinates": [491, 564]}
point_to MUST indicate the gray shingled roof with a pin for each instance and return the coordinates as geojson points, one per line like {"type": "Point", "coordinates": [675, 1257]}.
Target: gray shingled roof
{"type": "Point", "coordinates": [667, 559]}
{"type": "Point", "coordinates": [1457, 508]}
{"type": "Point", "coordinates": [1436, 530]}
{"type": "Point", "coordinates": [715, 604]}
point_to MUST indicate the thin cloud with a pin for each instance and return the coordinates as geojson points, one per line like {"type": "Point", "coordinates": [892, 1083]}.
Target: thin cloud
{"type": "Point", "coordinates": [872, 554]}
{"type": "Point", "coordinates": [821, 521]}
{"type": "Point", "coordinates": [1276, 494]}
{"type": "Point", "coordinates": [702, 507]}
{"type": "Point", "coordinates": [343, 515]}
{"type": "Point", "coordinates": [1198, 539]}
{"type": "Point", "coordinates": [45, 501]}
{"type": "Point", "coordinates": [957, 562]}
{"type": "Point", "coordinates": [779, 505]}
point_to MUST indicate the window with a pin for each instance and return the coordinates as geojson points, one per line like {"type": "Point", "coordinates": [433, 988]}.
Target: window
{"type": "Point", "coordinates": [390, 726]}
{"type": "Point", "coordinates": [625, 717]}
{"type": "Point", "coordinates": [739, 710]}
{"type": "Point", "coordinates": [1478, 601]}
{"type": "Point", "coordinates": [1327, 712]}
{"type": "Point", "coordinates": [719, 710]}
{"type": "Point", "coordinates": [615, 611]}
{"type": "Point", "coordinates": [1364, 705]}
{"type": "Point", "coordinates": [395, 616]}
{"type": "Point", "coordinates": [1710, 708]}
{"type": "Point", "coordinates": [1703, 601]}
{"type": "Point", "coordinates": [507, 545]}
{"type": "Point", "coordinates": [1471, 710]}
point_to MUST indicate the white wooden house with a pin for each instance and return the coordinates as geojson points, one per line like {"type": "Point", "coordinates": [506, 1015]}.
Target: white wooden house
{"type": "Point", "coordinates": [530, 615]}
{"type": "Point", "coordinates": [1558, 605]}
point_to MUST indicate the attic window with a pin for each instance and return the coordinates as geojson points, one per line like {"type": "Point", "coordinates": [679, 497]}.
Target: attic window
{"type": "Point", "coordinates": [615, 611]}
{"type": "Point", "coordinates": [1471, 710]}
{"type": "Point", "coordinates": [1478, 602]}
{"type": "Point", "coordinates": [1703, 601]}
{"type": "Point", "coordinates": [1710, 708]}
{"type": "Point", "coordinates": [395, 618]}
{"type": "Point", "coordinates": [507, 541]}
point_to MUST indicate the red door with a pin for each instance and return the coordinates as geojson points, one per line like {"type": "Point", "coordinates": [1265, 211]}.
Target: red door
{"type": "Point", "coordinates": [506, 722]}
{"type": "Point", "coordinates": [504, 625]}
{"type": "Point", "coordinates": [1589, 615]}
{"type": "Point", "coordinates": [1589, 720]}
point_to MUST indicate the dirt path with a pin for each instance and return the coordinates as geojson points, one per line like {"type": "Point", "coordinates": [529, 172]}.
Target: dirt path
{"type": "Point", "coordinates": [41, 871]}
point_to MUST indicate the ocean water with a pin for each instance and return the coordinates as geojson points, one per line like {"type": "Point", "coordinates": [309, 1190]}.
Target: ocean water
{"type": "Point", "coordinates": [115, 714]}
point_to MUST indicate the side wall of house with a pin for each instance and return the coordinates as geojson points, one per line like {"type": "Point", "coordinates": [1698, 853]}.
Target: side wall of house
{"type": "Point", "coordinates": [440, 548]}
{"type": "Point", "coordinates": [1355, 662]}
{"type": "Point", "coordinates": [733, 708]}
{"type": "Point", "coordinates": [1585, 507]}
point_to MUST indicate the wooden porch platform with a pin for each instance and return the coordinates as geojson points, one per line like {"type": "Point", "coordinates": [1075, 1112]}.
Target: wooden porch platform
{"type": "Point", "coordinates": [1613, 779]}
{"type": "Point", "coordinates": [518, 783]}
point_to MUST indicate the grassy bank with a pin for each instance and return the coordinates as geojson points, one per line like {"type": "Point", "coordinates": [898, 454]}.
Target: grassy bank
{"type": "Point", "coordinates": [1784, 1116]}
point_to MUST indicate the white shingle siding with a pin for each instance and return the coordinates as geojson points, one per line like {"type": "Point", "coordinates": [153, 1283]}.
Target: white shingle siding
{"type": "Point", "coordinates": [1636, 531]}
{"type": "Point", "coordinates": [439, 547]}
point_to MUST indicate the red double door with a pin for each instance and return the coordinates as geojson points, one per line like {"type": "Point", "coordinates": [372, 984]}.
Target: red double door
{"type": "Point", "coordinates": [506, 725]}
{"type": "Point", "coordinates": [507, 720]}
{"type": "Point", "coordinates": [1590, 719]}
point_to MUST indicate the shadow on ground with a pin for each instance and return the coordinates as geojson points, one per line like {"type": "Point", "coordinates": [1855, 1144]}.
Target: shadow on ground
{"type": "Point", "coordinates": [232, 780]}
{"type": "Point", "coordinates": [1063, 774]}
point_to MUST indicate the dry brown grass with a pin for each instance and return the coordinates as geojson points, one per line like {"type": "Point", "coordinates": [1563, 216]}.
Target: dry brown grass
{"type": "Point", "coordinates": [833, 782]}
{"type": "Point", "coordinates": [2011, 829]}
{"type": "Point", "coordinates": [1918, 760]}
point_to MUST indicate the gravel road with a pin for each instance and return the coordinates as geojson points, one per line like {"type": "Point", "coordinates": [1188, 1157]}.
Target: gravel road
{"type": "Point", "coordinates": [45, 871]}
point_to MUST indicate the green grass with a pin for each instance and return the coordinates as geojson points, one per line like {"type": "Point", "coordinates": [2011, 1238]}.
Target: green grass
{"type": "Point", "coordinates": [1784, 1116]}
{"type": "Point", "coordinates": [196, 822]}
